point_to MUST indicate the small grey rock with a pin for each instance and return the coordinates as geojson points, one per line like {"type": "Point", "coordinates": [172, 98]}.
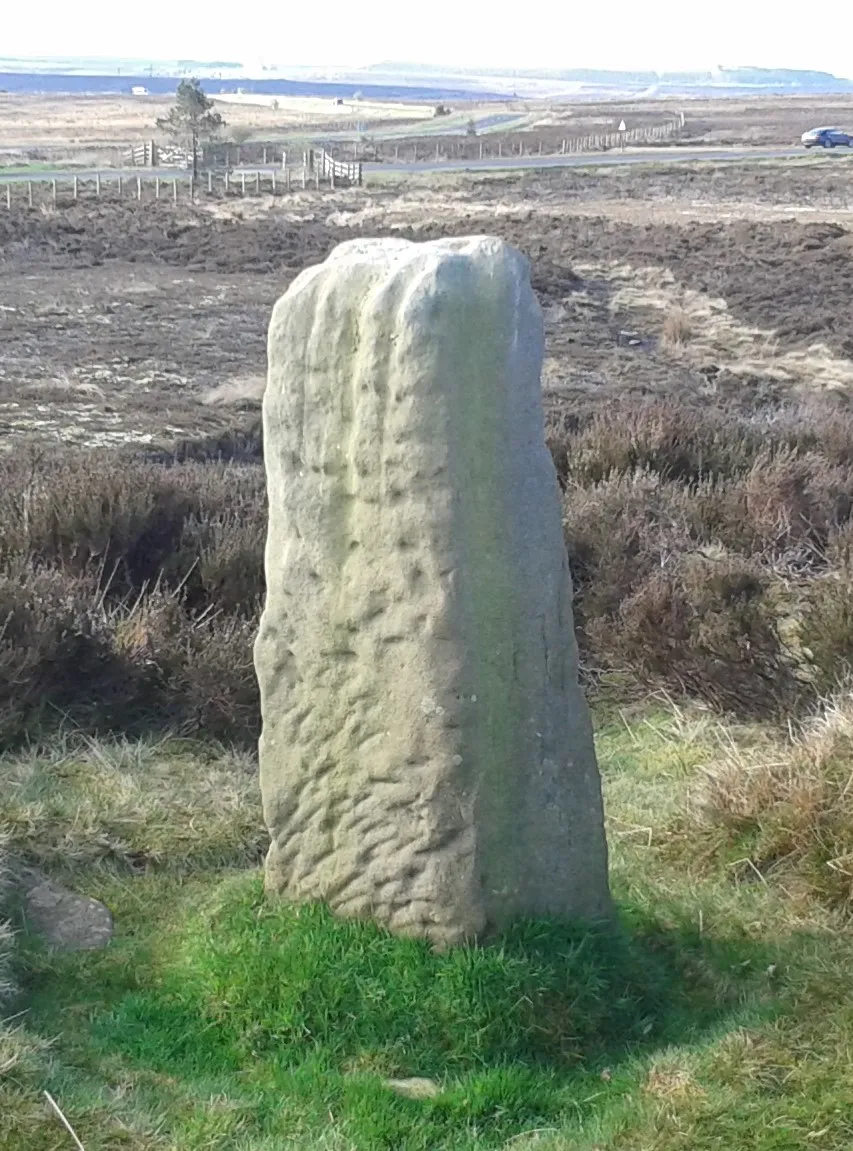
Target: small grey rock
{"type": "Point", "coordinates": [66, 920]}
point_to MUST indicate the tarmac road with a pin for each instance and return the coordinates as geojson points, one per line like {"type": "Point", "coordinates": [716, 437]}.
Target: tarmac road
{"type": "Point", "coordinates": [592, 159]}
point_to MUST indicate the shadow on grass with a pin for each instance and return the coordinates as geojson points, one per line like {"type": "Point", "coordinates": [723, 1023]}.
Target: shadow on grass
{"type": "Point", "coordinates": [297, 1017]}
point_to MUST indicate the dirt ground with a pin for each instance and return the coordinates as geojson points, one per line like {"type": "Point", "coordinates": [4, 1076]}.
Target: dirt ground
{"type": "Point", "coordinates": [761, 120]}
{"type": "Point", "coordinates": [145, 324]}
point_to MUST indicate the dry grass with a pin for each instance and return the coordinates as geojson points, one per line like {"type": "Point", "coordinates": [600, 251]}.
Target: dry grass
{"type": "Point", "coordinates": [6, 985]}
{"type": "Point", "coordinates": [130, 806]}
{"type": "Point", "coordinates": [15, 1045]}
{"type": "Point", "coordinates": [677, 328]}
{"type": "Point", "coordinates": [782, 809]}
{"type": "Point", "coordinates": [702, 330]}
{"type": "Point", "coordinates": [239, 392]}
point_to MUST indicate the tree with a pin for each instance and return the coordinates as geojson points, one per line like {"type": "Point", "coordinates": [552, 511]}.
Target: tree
{"type": "Point", "coordinates": [191, 118]}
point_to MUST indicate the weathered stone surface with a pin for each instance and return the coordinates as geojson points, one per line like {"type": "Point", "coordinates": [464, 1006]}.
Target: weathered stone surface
{"type": "Point", "coordinates": [426, 756]}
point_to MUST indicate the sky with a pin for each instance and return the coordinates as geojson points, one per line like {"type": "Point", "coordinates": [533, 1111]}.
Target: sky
{"type": "Point", "coordinates": [659, 35]}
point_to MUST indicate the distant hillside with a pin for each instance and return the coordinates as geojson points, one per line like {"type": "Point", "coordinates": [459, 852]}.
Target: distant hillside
{"type": "Point", "coordinates": [395, 80]}
{"type": "Point", "coordinates": [591, 81]}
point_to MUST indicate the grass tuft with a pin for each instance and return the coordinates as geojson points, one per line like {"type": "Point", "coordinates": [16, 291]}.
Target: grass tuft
{"type": "Point", "coordinates": [784, 810]}
{"type": "Point", "coordinates": [131, 806]}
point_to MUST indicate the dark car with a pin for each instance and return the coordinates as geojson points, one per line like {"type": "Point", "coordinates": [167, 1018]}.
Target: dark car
{"type": "Point", "coordinates": [827, 138]}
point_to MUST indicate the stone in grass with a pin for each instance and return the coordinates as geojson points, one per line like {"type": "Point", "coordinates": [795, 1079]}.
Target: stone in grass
{"type": "Point", "coordinates": [427, 756]}
{"type": "Point", "coordinates": [64, 919]}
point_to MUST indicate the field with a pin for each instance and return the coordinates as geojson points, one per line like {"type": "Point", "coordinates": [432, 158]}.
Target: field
{"type": "Point", "coordinates": [94, 130]}
{"type": "Point", "coordinates": [697, 384]}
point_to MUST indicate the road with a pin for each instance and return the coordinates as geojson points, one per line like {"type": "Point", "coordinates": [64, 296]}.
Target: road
{"type": "Point", "coordinates": [490, 164]}
{"type": "Point", "coordinates": [592, 160]}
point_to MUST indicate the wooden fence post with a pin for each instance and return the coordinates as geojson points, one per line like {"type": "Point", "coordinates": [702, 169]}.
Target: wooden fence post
{"type": "Point", "coordinates": [286, 180]}
{"type": "Point", "coordinates": [98, 185]}
{"type": "Point", "coordinates": [139, 187]}
{"type": "Point", "coordinates": [272, 174]}
{"type": "Point", "coordinates": [284, 161]}
{"type": "Point", "coordinates": [75, 188]}
{"type": "Point", "coordinates": [242, 183]}
{"type": "Point", "coordinates": [175, 191]}
{"type": "Point", "coordinates": [396, 152]}
{"type": "Point", "coordinates": [317, 179]}
{"type": "Point", "coordinates": [265, 156]}
{"type": "Point", "coordinates": [258, 182]}
{"type": "Point", "coordinates": [209, 183]}
{"type": "Point", "coordinates": [500, 148]}
{"type": "Point", "coordinates": [436, 150]}
{"type": "Point", "coordinates": [53, 190]}
{"type": "Point", "coordinates": [8, 195]}
{"type": "Point", "coordinates": [30, 192]}
{"type": "Point", "coordinates": [332, 176]}
{"type": "Point", "coordinates": [156, 187]}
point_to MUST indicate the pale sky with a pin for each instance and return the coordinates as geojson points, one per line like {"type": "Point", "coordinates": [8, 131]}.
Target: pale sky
{"type": "Point", "coordinates": [655, 34]}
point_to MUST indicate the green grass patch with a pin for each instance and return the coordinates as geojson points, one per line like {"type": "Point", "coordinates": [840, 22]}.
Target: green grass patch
{"type": "Point", "coordinates": [298, 1019]}
{"type": "Point", "coordinates": [717, 1013]}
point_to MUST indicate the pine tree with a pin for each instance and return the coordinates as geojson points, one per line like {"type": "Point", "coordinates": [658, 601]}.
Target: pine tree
{"type": "Point", "coordinates": [191, 118]}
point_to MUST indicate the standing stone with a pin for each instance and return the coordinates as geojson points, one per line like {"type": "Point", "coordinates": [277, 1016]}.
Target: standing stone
{"type": "Point", "coordinates": [427, 756]}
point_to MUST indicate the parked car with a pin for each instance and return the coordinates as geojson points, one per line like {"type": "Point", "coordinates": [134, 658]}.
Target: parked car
{"type": "Point", "coordinates": [827, 138]}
